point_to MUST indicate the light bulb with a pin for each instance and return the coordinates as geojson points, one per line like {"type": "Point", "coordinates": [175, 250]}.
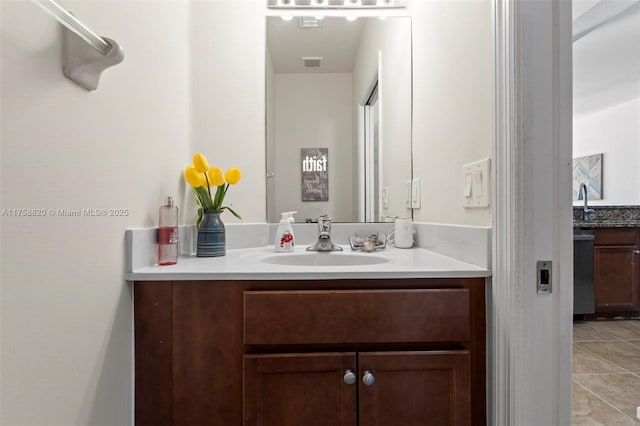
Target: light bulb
{"type": "Point", "coordinates": [351, 18]}
{"type": "Point", "coordinates": [286, 17]}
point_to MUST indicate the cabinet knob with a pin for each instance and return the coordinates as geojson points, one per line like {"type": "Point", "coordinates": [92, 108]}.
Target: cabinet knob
{"type": "Point", "coordinates": [636, 252]}
{"type": "Point", "coordinates": [349, 377]}
{"type": "Point", "coordinates": [368, 378]}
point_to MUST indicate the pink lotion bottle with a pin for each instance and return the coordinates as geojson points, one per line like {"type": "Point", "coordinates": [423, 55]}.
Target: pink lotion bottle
{"type": "Point", "coordinates": [168, 234]}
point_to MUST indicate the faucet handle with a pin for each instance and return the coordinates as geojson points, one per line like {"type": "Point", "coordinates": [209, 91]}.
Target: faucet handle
{"type": "Point", "coordinates": [324, 223]}
{"type": "Point", "coordinates": [326, 226]}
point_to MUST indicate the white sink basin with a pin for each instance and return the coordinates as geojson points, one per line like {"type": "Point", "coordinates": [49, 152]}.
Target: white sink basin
{"type": "Point", "coordinates": [324, 259]}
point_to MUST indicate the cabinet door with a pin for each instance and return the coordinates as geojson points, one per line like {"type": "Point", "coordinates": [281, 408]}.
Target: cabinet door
{"type": "Point", "coordinates": [415, 388]}
{"type": "Point", "coordinates": [616, 279]}
{"type": "Point", "coordinates": [299, 389]}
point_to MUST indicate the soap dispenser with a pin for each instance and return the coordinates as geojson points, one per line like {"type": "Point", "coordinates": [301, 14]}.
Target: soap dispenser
{"type": "Point", "coordinates": [285, 241]}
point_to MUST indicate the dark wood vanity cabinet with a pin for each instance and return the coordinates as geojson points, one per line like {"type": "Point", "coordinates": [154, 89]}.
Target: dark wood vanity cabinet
{"type": "Point", "coordinates": [386, 388]}
{"type": "Point", "coordinates": [617, 271]}
{"type": "Point", "coordinates": [322, 352]}
{"type": "Point", "coordinates": [299, 389]}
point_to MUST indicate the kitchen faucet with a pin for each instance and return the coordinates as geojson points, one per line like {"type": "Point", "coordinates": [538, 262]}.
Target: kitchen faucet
{"type": "Point", "coordinates": [324, 236]}
{"type": "Point", "coordinates": [583, 195]}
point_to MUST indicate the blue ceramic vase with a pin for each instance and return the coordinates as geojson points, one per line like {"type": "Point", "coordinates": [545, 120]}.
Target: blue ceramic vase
{"type": "Point", "coordinates": [211, 235]}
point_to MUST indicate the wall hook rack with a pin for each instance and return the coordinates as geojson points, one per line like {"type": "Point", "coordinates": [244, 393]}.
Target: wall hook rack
{"type": "Point", "coordinates": [85, 54]}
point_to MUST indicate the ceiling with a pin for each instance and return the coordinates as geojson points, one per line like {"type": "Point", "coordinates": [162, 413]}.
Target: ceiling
{"type": "Point", "coordinates": [591, 14]}
{"type": "Point", "coordinates": [606, 68]}
{"type": "Point", "coordinates": [336, 40]}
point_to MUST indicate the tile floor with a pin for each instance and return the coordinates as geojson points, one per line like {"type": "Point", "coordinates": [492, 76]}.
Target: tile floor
{"type": "Point", "coordinates": [606, 372]}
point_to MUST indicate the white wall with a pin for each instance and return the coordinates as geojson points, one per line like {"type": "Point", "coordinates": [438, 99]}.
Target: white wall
{"type": "Point", "coordinates": [452, 91]}
{"type": "Point", "coordinates": [270, 139]}
{"type": "Point", "coordinates": [66, 311]}
{"type": "Point", "coordinates": [65, 308]}
{"type": "Point", "coordinates": [606, 71]}
{"type": "Point", "coordinates": [391, 37]}
{"type": "Point", "coordinates": [228, 88]}
{"type": "Point", "coordinates": [614, 132]}
{"type": "Point", "coordinates": [313, 111]}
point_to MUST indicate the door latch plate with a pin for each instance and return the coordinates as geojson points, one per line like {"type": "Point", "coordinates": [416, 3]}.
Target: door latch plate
{"type": "Point", "coordinates": [544, 273]}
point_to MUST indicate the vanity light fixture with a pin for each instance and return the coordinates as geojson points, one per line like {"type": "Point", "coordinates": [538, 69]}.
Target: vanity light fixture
{"type": "Point", "coordinates": [336, 4]}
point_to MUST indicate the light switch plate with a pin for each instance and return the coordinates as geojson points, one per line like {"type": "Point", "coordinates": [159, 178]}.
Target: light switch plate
{"type": "Point", "coordinates": [407, 201]}
{"type": "Point", "coordinates": [475, 184]}
{"type": "Point", "coordinates": [385, 197]}
{"type": "Point", "coordinates": [415, 194]}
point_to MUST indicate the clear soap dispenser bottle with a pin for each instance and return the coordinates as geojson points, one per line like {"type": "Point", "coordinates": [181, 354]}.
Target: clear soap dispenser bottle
{"type": "Point", "coordinates": [285, 241]}
{"type": "Point", "coordinates": [168, 234]}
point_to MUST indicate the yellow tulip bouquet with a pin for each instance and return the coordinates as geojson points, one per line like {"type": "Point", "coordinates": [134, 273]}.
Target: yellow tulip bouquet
{"type": "Point", "coordinates": [201, 177]}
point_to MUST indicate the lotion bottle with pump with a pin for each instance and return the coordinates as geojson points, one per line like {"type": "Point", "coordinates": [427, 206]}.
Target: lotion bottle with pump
{"type": "Point", "coordinates": [285, 241]}
{"type": "Point", "coordinates": [168, 234]}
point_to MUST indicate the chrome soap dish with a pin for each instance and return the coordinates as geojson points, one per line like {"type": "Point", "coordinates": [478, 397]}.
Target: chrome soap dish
{"type": "Point", "coordinates": [369, 243]}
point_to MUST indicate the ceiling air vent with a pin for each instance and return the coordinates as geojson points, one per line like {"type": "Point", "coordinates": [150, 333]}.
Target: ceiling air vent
{"type": "Point", "coordinates": [312, 61]}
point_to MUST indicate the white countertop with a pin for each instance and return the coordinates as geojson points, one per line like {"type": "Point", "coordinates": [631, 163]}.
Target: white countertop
{"type": "Point", "coordinates": [249, 264]}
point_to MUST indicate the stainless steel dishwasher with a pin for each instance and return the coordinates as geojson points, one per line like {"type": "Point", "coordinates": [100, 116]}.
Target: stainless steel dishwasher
{"type": "Point", "coordinates": [583, 291]}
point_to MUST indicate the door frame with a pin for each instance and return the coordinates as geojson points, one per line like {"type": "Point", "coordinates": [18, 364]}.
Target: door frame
{"type": "Point", "coordinates": [530, 333]}
{"type": "Point", "coordinates": [363, 161]}
{"type": "Point", "coordinates": [373, 160]}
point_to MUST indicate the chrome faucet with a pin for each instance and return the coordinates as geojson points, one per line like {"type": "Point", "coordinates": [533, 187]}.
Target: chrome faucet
{"type": "Point", "coordinates": [324, 236]}
{"type": "Point", "coordinates": [583, 195]}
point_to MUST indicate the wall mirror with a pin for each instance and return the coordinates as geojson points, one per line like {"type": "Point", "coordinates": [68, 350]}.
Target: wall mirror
{"type": "Point", "coordinates": [338, 117]}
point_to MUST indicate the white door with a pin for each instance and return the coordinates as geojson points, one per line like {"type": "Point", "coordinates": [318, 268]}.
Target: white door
{"type": "Point", "coordinates": [531, 332]}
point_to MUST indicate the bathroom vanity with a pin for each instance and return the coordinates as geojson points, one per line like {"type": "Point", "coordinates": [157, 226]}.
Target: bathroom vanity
{"type": "Point", "coordinates": [385, 352]}
{"type": "Point", "coordinates": [264, 344]}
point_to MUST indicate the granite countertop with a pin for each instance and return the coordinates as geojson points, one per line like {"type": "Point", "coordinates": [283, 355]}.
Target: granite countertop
{"type": "Point", "coordinates": [250, 263]}
{"type": "Point", "coordinates": [606, 224]}
{"type": "Point", "coordinates": [608, 217]}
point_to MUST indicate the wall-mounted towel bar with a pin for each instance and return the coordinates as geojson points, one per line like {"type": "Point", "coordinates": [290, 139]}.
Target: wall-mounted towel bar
{"type": "Point", "coordinates": [86, 54]}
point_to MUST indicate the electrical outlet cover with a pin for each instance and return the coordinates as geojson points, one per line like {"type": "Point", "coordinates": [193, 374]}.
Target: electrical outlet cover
{"type": "Point", "coordinates": [415, 194]}
{"type": "Point", "coordinates": [407, 201]}
{"type": "Point", "coordinates": [385, 197]}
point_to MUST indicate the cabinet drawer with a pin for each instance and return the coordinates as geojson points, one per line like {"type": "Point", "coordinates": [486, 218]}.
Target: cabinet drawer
{"type": "Point", "coordinates": [356, 316]}
{"type": "Point", "coordinates": [616, 237]}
